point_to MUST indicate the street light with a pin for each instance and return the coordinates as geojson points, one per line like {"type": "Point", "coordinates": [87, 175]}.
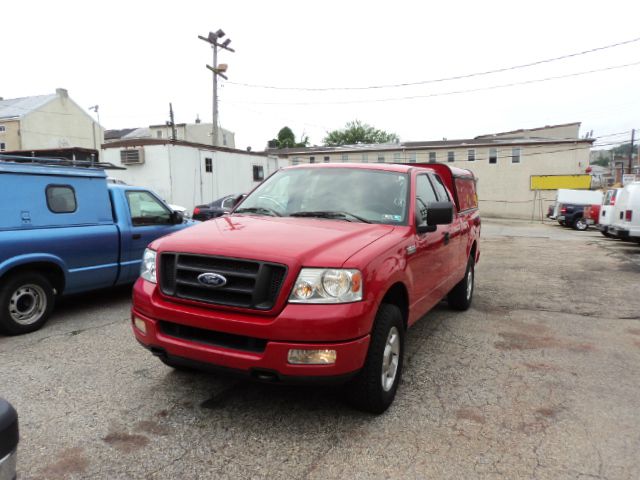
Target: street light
{"type": "Point", "coordinates": [220, 70]}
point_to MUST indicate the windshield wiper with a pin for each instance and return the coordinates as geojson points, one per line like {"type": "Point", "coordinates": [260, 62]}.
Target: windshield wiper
{"type": "Point", "coordinates": [261, 210]}
{"type": "Point", "coordinates": [330, 214]}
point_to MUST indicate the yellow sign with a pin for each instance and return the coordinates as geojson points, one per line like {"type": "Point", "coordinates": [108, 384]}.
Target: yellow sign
{"type": "Point", "coordinates": [554, 182]}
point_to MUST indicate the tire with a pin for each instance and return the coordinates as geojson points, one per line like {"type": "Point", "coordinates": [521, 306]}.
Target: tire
{"type": "Point", "coordinates": [375, 386]}
{"type": "Point", "coordinates": [581, 224]}
{"type": "Point", "coordinates": [606, 234]}
{"type": "Point", "coordinates": [460, 296]}
{"type": "Point", "coordinates": [26, 302]}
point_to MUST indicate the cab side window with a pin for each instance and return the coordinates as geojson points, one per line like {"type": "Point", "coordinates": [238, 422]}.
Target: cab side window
{"type": "Point", "coordinates": [443, 195]}
{"type": "Point", "coordinates": [146, 209]}
{"type": "Point", "coordinates": [425, 194]}
{"type": "Point", "coordinates": [61, 199]}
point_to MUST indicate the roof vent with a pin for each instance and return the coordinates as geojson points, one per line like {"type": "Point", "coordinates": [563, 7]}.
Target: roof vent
{"type": "Point", "coordinates": [62, 92]}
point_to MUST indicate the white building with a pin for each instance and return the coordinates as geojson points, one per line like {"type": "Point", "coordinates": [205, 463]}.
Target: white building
{"type": "Point", "coordinates": [186, 173]}
{"type": "Point", "coordinates": [45, 122]}
{"type": "Point", "coordinates": [503, 162]}
{"type": "Point", "coordinates": [188, 132]}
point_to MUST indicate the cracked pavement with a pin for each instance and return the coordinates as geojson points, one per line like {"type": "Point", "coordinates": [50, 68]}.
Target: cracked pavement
{"type": "Point", "coordinates": [539, 379]}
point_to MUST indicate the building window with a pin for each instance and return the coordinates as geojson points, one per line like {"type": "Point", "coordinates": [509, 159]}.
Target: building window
{"type": "Point", "coordinates": [451, 157]}
{"type": "Point", "coordinates": [208, 165]}
{"type": "Point", "coordinates": [432, 157]}
{"type": "Point", "coordinates": [258, 173]}
{"type": "Point", "coordinates": [345, 157]}
{"type": "Point", "coordinates": [493, 155]}
{"type": "Point", "coordinates": [312, 159]}
{"type": "Point", "coordinates": [224, 139]}
{"type": "Point", "coordinates": [326, 159]}
{"type": "Point", "coordinates": [61, 198]}
{"type": "Point", "coordinates": [365, 158]}
{"type": "Point", "coordinates": [159, 134]}
{"type": "Point", "coordinates": [515, 155]}
{"type": "Point", "coordinates": [381, 158]}
{"type": "Point", "coordinates": [3, 128]}
{"type": "Point", "coordinates": [471, 155]}
{"type": "Point", "coordinates": [3, 146]}
{"type": "Point", "coordinates": [412, 157]}
{"type": "Point", "coordinates": [295, 161]}
{"type": "Point", "coordinates": [396, 157]}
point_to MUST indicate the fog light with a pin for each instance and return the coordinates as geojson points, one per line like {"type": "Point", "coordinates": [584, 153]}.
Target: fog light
{"type": "Point", "coordinates": [140, 324]}
{"type": "Point", "coordinates": [312, 357]}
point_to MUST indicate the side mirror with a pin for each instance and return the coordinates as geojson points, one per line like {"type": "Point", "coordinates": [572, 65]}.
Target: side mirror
{"type": "Point", "coordinates": [438, 213]}
{"type": "Point", "coordinates": [237, 200]}
{"type": "Point", "coordinates": [176, 217]}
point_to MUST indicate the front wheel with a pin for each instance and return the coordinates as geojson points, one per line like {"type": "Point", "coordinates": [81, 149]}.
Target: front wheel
{"type": "Point", "coordinates": [26, 302]}
{"type": "Point", "coordinates": [374, 389]}
{"type": "Point", "coordinates": [460, 296]}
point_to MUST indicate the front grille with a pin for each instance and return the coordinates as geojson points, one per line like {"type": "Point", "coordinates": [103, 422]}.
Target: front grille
{"type": "Point", "coordinates": [210, 337]}
{"type": "Point", "coordinates": [250, 284]}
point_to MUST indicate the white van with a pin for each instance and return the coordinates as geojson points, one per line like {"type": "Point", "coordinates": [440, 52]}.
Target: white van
{"type": "Point", "coordinates": [607, 210]}
{"type": "Point", "coordinates": [626, 213]}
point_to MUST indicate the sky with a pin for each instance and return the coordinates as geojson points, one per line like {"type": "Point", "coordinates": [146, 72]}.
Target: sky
{"type": "Point", "coordinates": [133, 58]}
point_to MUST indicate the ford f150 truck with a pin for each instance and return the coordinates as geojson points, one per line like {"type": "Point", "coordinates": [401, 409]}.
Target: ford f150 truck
{"type": "Point", "coordinates": [65, 230]}
{"type": "Point", "coordinates": [315, 276]}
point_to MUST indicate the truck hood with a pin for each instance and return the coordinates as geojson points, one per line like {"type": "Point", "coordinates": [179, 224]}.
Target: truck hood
{"type": "Point", "coordinates": [303, 241]}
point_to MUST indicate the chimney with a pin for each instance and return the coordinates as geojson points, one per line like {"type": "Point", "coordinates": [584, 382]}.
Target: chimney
{"type": "Point", "coordinates": [62, 92]}
{"type": "Point", "coordinates": [197, 118]}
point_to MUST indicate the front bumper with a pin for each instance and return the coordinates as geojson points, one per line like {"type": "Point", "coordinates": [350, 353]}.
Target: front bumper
{"type": "Point", "coordinates": [272, 361]}
{"type": "Point", "coordinates": [343, 328]}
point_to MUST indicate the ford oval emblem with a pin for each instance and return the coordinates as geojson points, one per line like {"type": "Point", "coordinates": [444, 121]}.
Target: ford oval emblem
{"type": "Point", "coordinates": [210, 279]}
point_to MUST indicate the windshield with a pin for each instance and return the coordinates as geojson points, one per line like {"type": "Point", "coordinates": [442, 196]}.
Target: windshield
{"type": "Point", "coordinates": [350, 194]}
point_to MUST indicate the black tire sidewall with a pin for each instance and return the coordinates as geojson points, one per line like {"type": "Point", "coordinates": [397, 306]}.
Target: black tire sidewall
{"type": "Point", "coordinates": [457, 297]}
{"type": "Point", "coordinates": [366, 391]}
{"type": "Point", "coordinates": [9, 286]}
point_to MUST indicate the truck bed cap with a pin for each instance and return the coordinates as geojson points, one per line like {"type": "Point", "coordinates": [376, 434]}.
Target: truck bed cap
{"type": "Point", "coordinates": [33, 169]}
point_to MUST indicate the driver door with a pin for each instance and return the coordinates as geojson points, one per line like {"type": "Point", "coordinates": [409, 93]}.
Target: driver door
{"type": "Point", "coordinates": [427, 263]}
{"type": "Point", "coordinates": [149, 219]}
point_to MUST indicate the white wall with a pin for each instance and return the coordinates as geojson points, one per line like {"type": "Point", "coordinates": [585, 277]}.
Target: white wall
{"type": "Point", "coordinates": [178, 173]}
{"type": "Point", "coordinates": [60, 123]}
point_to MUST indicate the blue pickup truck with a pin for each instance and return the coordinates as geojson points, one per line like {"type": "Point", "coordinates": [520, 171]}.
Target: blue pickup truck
{"type": "Point", "coordinates": [66, 230]}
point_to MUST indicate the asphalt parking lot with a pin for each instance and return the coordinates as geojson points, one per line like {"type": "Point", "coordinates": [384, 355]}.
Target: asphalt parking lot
{"type": "Point", "coordinates": [539, 379]}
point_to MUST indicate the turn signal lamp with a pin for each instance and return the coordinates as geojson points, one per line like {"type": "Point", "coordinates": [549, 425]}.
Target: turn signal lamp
{"type": "Point", "coordinates": [140, 324]}
{"type": "Point", "coordinates": [312, 357]}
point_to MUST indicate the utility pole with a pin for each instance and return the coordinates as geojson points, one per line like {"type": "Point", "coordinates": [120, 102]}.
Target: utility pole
{"type": "Point", "coordinates": [633, 133]}
{"type": "Point", "coordinates": [172, 123]}
{"type": "Point", "coordinates": [212, 39]}
{"type": "Point", "coordinates": [96, 109]}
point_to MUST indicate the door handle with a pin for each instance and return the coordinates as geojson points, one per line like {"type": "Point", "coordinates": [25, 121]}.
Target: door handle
{"type": "Point", "coordinates": [136, 236]}
{"type": "Point", "coordinates": [446, 238]}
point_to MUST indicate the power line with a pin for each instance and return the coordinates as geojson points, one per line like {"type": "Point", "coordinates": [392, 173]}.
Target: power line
{"type": "Point", "coordinates": [444, 79]}
{"type": "Point", "coordinates": [443, 94]}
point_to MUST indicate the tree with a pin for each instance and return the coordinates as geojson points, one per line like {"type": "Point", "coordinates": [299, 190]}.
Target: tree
{"type": "Point", "coordinates": [287, 139]}
{"type": "Point", "coordinates": [357, 132]}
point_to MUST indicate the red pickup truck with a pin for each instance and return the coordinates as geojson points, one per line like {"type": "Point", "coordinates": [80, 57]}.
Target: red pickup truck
{"type": "Point", "coordinates": [315, 276]}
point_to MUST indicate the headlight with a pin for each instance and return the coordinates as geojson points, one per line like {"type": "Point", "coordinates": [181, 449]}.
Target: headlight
{"type": "Point", "coordinates": [327, 285]}
{"type": "Point", "coordinates": [148, 267]}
